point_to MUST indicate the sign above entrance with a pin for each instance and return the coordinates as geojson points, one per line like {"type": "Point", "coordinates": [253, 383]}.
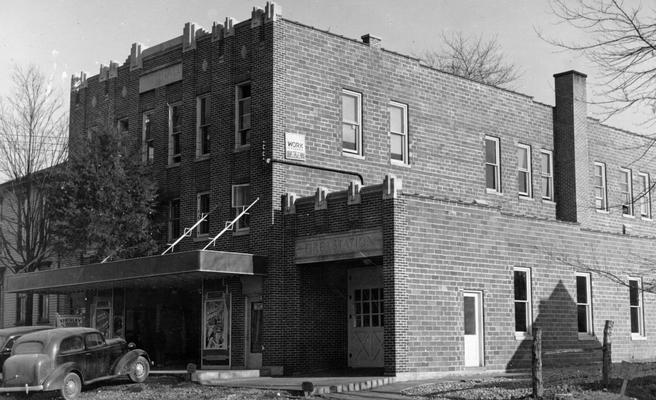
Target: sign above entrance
{"type": "Point", "coordinates": [294, 146]}
{"type": "Point", "coordinates": [341, 246]}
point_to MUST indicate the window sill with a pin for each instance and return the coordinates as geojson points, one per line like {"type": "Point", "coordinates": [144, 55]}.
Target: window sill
{"type": "Point", "coordinates": [398, 163]}
{"type": "Point", "coordinates": [173, 165]}
{"type": "Point", "coordinates": [201, 238]}
{"type": "Point", "coordinates": [523, 336]}
{"type": "Point", "coordinates": [240, 149]}
{"type": "Point", "coordinates": [646, 219]}
{"type": "Point", "coordinates": [203, 157]}
{"type": "Point", "coordinates": [587, 336]}
{"type": "Point", "coordinates": [526, 197]}
{"type": "Point", "coordinates": [241, 232]}
{"type": "Point", "coordinates": [548, 201]}
{"type": "Point", "coordinates": [638, 337]}
{"type": "Point", "coordinates": [353, 155]}
{"type": "Point", "coordinates": [492, 191]}
{"type": "Point", "coordinates": [628, 216]}
{"type": "Point", "coordinates": [602, 211]}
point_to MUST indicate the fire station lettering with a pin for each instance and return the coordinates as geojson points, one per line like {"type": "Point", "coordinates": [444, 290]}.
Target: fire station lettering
{"type": "Point", "coordinates": [341, 246]}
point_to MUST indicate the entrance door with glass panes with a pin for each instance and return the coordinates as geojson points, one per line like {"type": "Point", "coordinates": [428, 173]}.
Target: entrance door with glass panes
{"type": "Point", "coordinates": [254, 321]}
{"type": "Point", "coordinates": [365, 317]}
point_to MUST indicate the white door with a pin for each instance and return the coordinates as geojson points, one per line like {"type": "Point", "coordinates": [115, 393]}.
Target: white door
{"type": "Point", "coordinates": [473, 329]}
{"type": "Point", "coordinates": [254, 321]}
{"type": "Point", "coordinates": [366, 317]}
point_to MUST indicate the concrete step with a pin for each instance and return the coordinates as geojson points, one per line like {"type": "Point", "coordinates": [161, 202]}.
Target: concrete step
{"type": "Point", "coordinates": [207, 376]}
{"type": "Point", "coordinates": [354, 386]}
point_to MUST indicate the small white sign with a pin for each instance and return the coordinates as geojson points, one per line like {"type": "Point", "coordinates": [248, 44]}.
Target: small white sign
{"type": "Point", "coordinates": [295, 146]}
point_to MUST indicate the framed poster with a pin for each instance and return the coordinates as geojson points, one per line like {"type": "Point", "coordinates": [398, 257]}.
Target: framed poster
{"type": "Point", "coordinates": [216, 324]}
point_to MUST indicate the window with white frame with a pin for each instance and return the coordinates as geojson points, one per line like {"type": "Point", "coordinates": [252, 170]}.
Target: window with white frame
{"type": "Point", "coordinates": [645, 195]}
{"type": "Point", "coordinates": [584, 304]}
{"type": "Point", "coordinates": [175, 128]}
{"type": "Point", "coordinates": [398, 128]}
{"type": "Point", "coordinates": [626, 191]}
{"type": "Point", "coordinates": [147, 140]}
{"type": "Point", "coordinates": [637, 311]}
{"type": "Point", "coordinates": [202, 126]}
{"type": "Point", "coordinates": [174, 219]}
{"type": "Point", "coordinates": [522, 286]}
{"type": "Point", "coordinates": [600, 191]}
{"type": "Point", "coordinates": [123, 125]}
{"type": "Point", "coordinates": [492, 164]}
{"type": "Point", "coordinates": [243, 114]}
{"type": "Point", "coordinates": [21, 309]}
{"type": "Point", "coordinates": [241, 200]}
{"type": "Point", "coordinates": [351, 122]}
{"type": "Point", "coordinates": [524, 170]}
{"type": "Point", "coordinates": [203, 210]}
{"type": "Point", "coordinates": [546, 173]}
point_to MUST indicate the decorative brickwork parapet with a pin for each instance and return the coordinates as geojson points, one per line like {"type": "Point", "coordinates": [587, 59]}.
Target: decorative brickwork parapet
{"type": "Point", "coordinates": [217, 31]}
{"type": "Point", "coordinates": [289, 203]}
{"type": "Point", "coordinates": [272, 11]}
{"type": "Point", "coordinates": [372, 41]}
{"type": "Point", "coordinates": [229, 27]}
{"type": "Point", "coordinates": [257, 17]}
{"type": "Point", "coordinates": [391, 187]}
{"type": "Point", "coordinates": [136, 59]}
{"type": "Point", "coordinates": [189, 36]}
{"type": "Point", "coordinates": [354, 193]}
{"type": "Point", "coordinates": [79, 82]}
{"type": "Point", "coordinates": [320, 198]}
{"type": "Point", "coordinates": [103, 75]}
{"type": "Point", "coordinates": [113, 69]}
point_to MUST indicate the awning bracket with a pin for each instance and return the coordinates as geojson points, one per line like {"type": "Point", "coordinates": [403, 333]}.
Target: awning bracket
{"type": "Point", "coordinates": [230, 224]}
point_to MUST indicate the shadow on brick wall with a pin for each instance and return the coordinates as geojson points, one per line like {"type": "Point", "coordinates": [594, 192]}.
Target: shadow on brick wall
{"type": "Point", "coordinates": [557, 316]}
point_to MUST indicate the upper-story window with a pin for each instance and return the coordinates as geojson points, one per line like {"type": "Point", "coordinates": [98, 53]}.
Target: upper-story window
{"type": "Point", "coordinates": [546, 173]}
{"type": "Point", "coordinates": [524, 170]}
{"type": "Point", "coordinates": [626, 191]}
{"type": "Point", "coordinates": [398, 127]}
{"type": "Point", "coordinates": [243, 114]}
{"type": "Point", "coordinates": [123, 126]}
{"type": "Point", "coordinates": [351, 122]}
{"type": "Point", "coordinates": [645, 195]}
{"type": "Point", "coordinates": [174, 219]}
{"type": "Point", "coordinates": [147, 140]}
{"type": "Point", "coordinates": [202, 126]}
{"type": "Point", "coordinates": [600, 192]}
{"type": "Point", "coordinates": [175, 128]}
{"type": "Point", "coordinates": [203, 210]}
{"type": "Point", "coordinates": [241, 200]}
{"type": "Point", "coordinates": [492, 164]}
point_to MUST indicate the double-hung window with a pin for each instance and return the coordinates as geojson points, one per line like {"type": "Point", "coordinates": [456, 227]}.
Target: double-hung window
{"type": "Point", "coordinates": [203, 210]}
{"type": "Point", "coordinates": [492, 164]}
{"type": "Point", "coordinates": [584, 304]}
{"type": "Point", "coordinates": [523, 315]}
{"type": "Point", "coordinates": [243, 114]}
{"type": "Point", "coordinates": [637, 311]}
{"type": "Point", "coordinates": [174, 219]}
{"type": "Point", "coordinates": [240, 200]}
{"type": "Point", "coordinates": [645, 195]}
{"type": "Point", "coordinates": [398, 127]}
{"type": "Point", "coordinates": [600, 191]}
{"type": "Point", "coordinates": [524, 170]}
{"type": "Point", "coordinates": [44, 308]}
{"type": "Point", "coordinates": [546, 173]}
{"type": "Point", "coordinates": [626, 191]}
{"type": "Point", "coordinates": [147, 140]}
{"type": "Point", "coordinates": [21, 309]}
{"type": "Point", "coordinates": [351, 122]}
{"type": "Point", "coordinates": [175, 128]}
{"type": "Point", "coordinates": [202, 126]}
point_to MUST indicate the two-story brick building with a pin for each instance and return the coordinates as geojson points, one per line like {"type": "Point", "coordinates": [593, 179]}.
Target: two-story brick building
{"type": "Point", "coordinates": [406, 219]}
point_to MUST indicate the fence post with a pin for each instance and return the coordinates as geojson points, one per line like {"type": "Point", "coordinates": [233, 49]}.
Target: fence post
{"type": "Point", "coordinates": [538, 383]}
{"type": "Point", "coordinates": [607, 352]}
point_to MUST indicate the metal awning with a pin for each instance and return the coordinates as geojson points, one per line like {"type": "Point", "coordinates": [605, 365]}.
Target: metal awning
{"type": "Point", "coordinates": [170, 270]}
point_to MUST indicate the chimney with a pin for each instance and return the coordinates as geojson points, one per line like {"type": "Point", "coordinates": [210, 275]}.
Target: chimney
{"type": "Point", "coordinates": [371, 40]}
{"type": "Point", "coordinates": [571, 156]}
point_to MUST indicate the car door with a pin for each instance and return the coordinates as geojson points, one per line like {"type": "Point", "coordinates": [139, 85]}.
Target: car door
{"type": "Point", "coordinates": [71, 349]}
{"type": "Point", "coordinates": [97, 354]}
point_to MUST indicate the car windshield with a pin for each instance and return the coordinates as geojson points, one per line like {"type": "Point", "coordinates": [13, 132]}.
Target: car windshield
{"type": "Point", "coordinates": [31, 347]}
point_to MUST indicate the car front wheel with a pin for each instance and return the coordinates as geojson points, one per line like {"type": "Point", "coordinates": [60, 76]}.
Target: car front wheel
{"type": "Point", "coordinates": [72, 386]}
{"type": "Point", "coordinates": [140, 370]}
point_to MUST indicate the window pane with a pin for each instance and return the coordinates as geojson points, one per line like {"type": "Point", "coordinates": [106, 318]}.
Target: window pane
{"type": "Point", "coordinates": [520, 285]}
{"type": "Point", "coordinates": [349, 136]}
{"type": "Point", "coordinates": [635, 324]}
{"type": "Point", "coordinates": [396, 119]}
{"type": "Point", "coordinates": [203, 111]}
{"type": "Point", "coordinates": [490, 151]}
{"type": "Point", "coordinates": [522, 158]}
{"type": "Point", "coordinates": [470, 315]}
{"type": "Point", "coordinates": [397, 147]}
{"type": "Point", "coordinates": [244, 91]}
{"type": "Point", "coordinates": [349, 108]}
{"type": "Point", "coordinates": [581, 289]}
{"type": "Point", "coordinates": [582, 312]}
{"type": "Point", "coordinates": [176, 118]}
{"type": "Point", "coordinates": [520, 317]}
{"type": "Point", "coordinates": [634, 293]}
{"type": "Point", "coordinates": [546, 185]}
{"type": "Point", "coordinates": [545, 164]}
{"type": "Point", "coordinates": [374, 320]}
{"type": "Point", "coordinates": [522, 179]}
{"type": "Point", "coordinates": [490, 176]}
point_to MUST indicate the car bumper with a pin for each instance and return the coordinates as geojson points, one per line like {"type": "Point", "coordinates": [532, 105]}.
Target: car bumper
{"type": "Point", "coordinates": [25, 389]}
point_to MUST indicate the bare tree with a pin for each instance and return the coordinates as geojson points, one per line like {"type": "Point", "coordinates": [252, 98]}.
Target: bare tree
{"type": "Point", "coordinates": [621, 42]}
{"type": "Point", "coordinates": [473, 57]}
{"type": "Point", "coordinates": [33, 138]}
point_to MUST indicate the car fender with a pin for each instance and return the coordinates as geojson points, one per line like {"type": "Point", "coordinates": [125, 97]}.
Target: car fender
{"type": "Point", "coordinates": [124, 363]}
{"type": "Point", "coordinates": [55, 379]}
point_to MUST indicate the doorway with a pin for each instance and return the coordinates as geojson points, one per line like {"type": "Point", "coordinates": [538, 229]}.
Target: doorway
{"type": "Point", "coordinates": [366, 317]}
{"type": "Point", "coordinates": [254, 322]}
{"type": "Point", "coordinates": [473, 328]}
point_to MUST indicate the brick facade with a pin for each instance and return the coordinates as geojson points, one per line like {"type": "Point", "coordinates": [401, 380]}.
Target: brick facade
{"type": "Point", "coordinates": [442, 232]}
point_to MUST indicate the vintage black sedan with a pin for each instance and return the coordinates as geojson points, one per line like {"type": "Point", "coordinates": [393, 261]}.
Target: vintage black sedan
{"type": "Point", "coordinates": [64, 359]}
{"type": "Point", "coordinates": [9, 335]}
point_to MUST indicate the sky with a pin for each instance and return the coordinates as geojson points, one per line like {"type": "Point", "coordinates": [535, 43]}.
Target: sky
{"type": "Point", "coordinates": [63, 37]}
